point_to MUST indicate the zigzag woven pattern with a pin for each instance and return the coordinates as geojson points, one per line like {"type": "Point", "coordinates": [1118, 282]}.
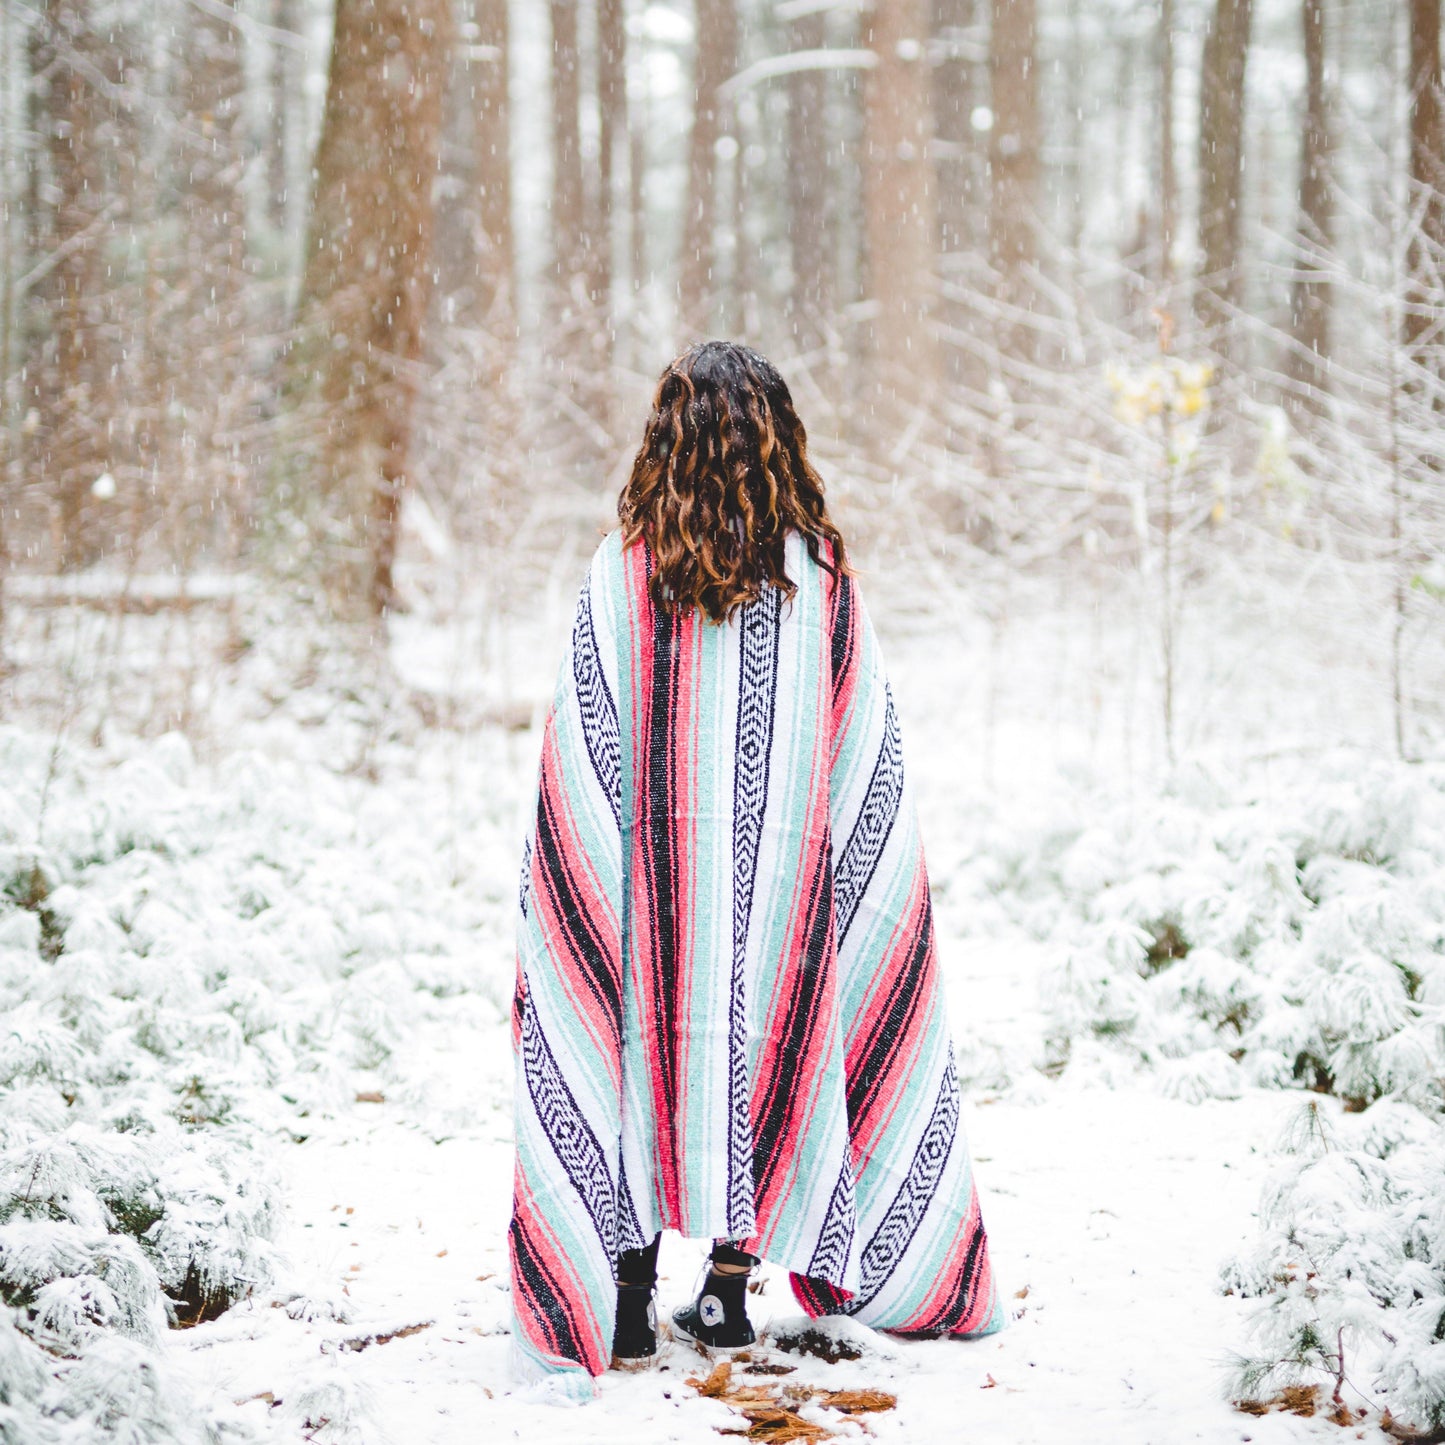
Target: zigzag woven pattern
{"type": "Point", "coordinates": [725, 1024]}
{"type": "Point", "coordinates": [757, 701]}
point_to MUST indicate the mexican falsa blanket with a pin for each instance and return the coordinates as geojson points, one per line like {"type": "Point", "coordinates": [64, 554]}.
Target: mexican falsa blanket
{"type": "Point", "coordinates": [727, 1017]}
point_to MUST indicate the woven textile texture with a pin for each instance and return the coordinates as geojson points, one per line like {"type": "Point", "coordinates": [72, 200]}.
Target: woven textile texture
{"type": "Point", "coordinates": [727, 1017]}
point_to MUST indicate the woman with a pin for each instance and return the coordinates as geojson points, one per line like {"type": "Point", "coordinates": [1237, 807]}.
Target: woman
{"type": "Point", "coordinates": [727, 1019]}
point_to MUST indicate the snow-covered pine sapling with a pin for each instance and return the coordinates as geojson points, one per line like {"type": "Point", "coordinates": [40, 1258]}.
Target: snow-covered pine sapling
{"type": "Point", "coordinates": [1349, 1266]}
{"type": "Point", "coordinates": [1290, 941]}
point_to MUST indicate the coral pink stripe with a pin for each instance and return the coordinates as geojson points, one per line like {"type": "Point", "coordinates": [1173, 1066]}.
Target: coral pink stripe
{"type": "Point", "coordinates": [950, 1280]}
{"type": "Point", "coordinates": [897, 967]}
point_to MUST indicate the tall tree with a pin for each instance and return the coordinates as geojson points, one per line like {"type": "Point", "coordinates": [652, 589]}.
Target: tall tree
{"type": "Point", "coordinates": [637, 127]}
{"type": "Point", "coordinates": [493, 111]}
{"type": "Point", "coordinates": [1310, 295]}
{"type": "Point", "coordinates": [1221, 168]}
{"type": "Point", "coordinates": [282, 101]}
{"type": "Point", "coordinates": [1168, 178]}
{"type": "Point", "coordinates": [954, 99]}
{"type": "Point", "coordinates": [1014, 164]}
{"type": "Point", "coordinates": [569, 204]}
{"type": "Point", "coordinates": [611, 130]}
{"type": "Point", "coordinates": [67, 387]}
{"type": "Point", "coordinates": [473, 246]}
{"type": "Point", "coordinates": [810, 190]}
{"type": "Point", "coordinates": [365, 290]}
{"type": "Point", "coordinates": [1427, 176]}
{"type": "Point", "coordinates": [581, 213]}
{"type": "Point", "coordinates": [716, 57]}
{"type": "Point", "coordinates": [900, 202]}
{"type": "Point", "coordinates": [209, 271]}
{"type": "Point", "coordinates": [960, 87]}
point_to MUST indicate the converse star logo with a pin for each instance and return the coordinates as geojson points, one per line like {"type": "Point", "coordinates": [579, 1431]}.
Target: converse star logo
{"type": "Point", "coordinates": [711, 1310]}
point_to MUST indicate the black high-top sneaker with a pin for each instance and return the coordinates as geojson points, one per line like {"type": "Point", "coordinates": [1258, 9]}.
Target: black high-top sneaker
{"type": "Point", "coordinates": [634, 1341]}
{"type": "Point", "coordinates": [718, 1318]}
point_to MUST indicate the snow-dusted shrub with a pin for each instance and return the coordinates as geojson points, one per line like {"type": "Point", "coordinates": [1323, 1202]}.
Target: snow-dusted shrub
{"type": "Point", "coordinates": [188, 967]}
{"type": "Point", "coordinates": [1349, 1265]}
{"type": "Point", "coordinates": [330, 1406]}
{"type": "Point", "coordinates": [1295, 938]}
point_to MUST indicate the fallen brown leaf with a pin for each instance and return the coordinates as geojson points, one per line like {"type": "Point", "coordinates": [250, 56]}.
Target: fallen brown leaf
{"type": "Point", "coordinates": [716, 1383]}
{"type": "Point", "coordinates": [858, 1402]}
{"type": "Point", "coordinates": [360, 1342]}
{"type": "Point", "coordinates": [779, 1426]}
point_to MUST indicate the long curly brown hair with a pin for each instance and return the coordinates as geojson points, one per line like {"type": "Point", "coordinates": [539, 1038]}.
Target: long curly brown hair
{"type": "Point", "coordinates": [721, 477]}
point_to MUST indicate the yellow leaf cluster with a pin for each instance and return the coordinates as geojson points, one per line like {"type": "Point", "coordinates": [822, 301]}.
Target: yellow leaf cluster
{"type": "Point", "coordinates": [1167, 386]}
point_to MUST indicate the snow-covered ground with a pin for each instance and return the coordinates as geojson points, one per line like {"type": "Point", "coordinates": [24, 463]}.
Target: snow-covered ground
{"type": "Point", "coordinates": [331, 867]}
{"type": "Point", "coordinates": [1109, 1212]}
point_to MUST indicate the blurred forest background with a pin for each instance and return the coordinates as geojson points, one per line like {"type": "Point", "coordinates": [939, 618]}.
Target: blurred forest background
{"type": "Point", "coordinates": [1140, 296]}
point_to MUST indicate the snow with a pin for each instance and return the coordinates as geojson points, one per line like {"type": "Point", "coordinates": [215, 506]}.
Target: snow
{"type": "Point", "coordinates": [1109, 1209]}
{"type": "Point", "coordinates": [273, 1045]}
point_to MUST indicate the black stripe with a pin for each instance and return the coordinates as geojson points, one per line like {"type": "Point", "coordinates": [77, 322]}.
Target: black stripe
{"type": "Point", "coordinates": [874, 825]}
{"type": "Point", "coordinates": [595, 705]}
{"type": "Point", "coordinates": [892, 1025]}
{"type": "Point", "coordinates": [782, 1097]}
{"type": "Point", "coordinates": [599, 969]}
{"type": "Point", "coordinates": [890, 1241]}
{"type": "Point", "coordinates": [835, 1239]}
{"type": "Point", "coordinates": [576, 1146]}
{"type": "Point", "coordinates": [843, 643]}
{"type": "Point", "coordinates": [757, 701]}
{"type": "Point", "coordinates": [659, 861]}
{"type": "Point", "coordinates": [954, 1309]}
{"type": "Point", "coordinates": [546, 1298]}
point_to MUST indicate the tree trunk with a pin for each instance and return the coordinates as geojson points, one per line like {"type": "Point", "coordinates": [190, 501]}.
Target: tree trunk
{"type": "Point", "coordinates": [208, 369]}
{"type": "Point", "coordinates": [473, 244]}
{"type": "Point", "coordinates": [960, 83]}
{"type": "Point", "coordinates": [1168, 179]}
{"type": "Point", "coordinates": [1310, 296]}
{"type": "Point", "coordinates": [637, 125]}
{"type": "Point", "coordinates": [612, 127]}
{"type": "Point", "coordinates": [717, 45]}
{"type": "Point", "coordinates": [1427, 180]}
{"type": "Point", "coordinates": [492, 107]}
{"type": "Point", "coordinates": [900, 205]}
{"type": "Point", "coordinates": [569, 208]}
{"type": "Point", "coordinates": [365, 291]}
{"type": "Point", "coordinates": [954, 98]}
{"type": "Point", "coordinates": [68, 388]}
{"type": "Point", "coordinates": [1221, 167]}
{"type": "Point", "coordinates": [283, 99]}
{"type": "Point", "coordinates": [1014, 167]}
{"type": "Point", "coordinates": [809, 300]}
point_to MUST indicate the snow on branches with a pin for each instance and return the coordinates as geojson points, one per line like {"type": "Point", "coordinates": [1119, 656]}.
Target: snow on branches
{"type": "Point", "coordinates": [1294, 938]}
{"type": "Point", "coordinates": [188, 967]}
{"type": "Point", "coordinates": [1286, 934]}
{"type": "Point", "coordinates": [1349, 1266]}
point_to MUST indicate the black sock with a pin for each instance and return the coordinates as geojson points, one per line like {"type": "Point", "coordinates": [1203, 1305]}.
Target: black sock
{"type": "Point", "coordinates": [639, 1266]}
{"type": "Point", "coordinates": [726, 1254]}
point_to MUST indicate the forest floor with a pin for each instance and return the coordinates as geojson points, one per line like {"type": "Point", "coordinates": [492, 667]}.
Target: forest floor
{"type": "Point", "coordinates": [1108, 1211]}
{"type": "Point", "coordinates": [1109, 1206]}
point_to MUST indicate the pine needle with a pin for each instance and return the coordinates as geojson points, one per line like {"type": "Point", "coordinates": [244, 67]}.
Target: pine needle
{"type": "Point", "coordinates": [858, 1402]}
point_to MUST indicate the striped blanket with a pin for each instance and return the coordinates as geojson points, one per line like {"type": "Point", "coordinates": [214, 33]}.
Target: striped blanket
{"type": "Point", "coordinates": [727, 1019]}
